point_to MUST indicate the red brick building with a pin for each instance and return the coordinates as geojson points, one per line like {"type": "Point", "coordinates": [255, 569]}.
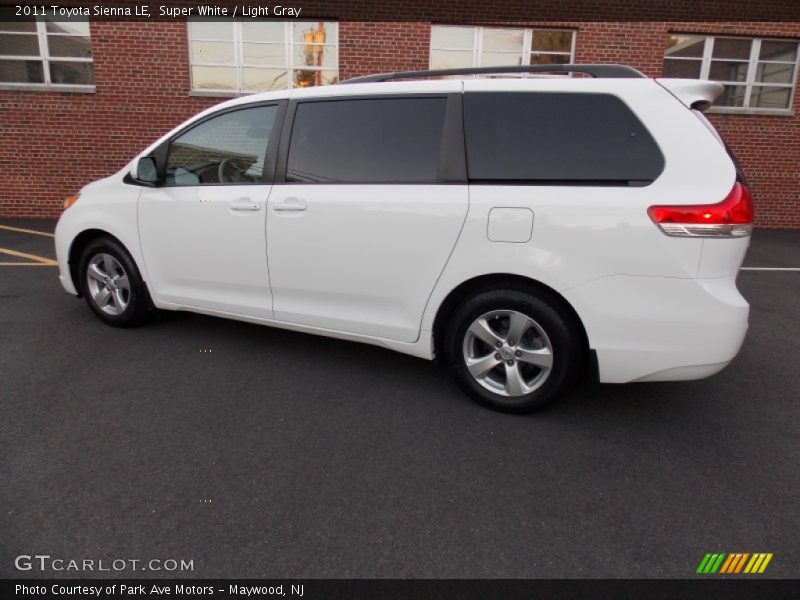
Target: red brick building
{"type": "Point", "coordinates": [77, 101]}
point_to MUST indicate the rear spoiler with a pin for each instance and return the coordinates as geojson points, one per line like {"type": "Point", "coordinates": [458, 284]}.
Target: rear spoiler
{"type": "Point", "coordinates": [692, 93]}
{"type": "Point", "coordinates": [699, 94]}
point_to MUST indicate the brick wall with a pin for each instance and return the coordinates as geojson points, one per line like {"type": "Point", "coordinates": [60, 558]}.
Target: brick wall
{"type": "Point", "coordinates": [52, 143]}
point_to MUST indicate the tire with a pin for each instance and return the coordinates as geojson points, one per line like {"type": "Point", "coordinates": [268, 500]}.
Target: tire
{"type": "Point", "coordinates": [518, 375]}
{"type": "Point", "coordinates": [112, 284]}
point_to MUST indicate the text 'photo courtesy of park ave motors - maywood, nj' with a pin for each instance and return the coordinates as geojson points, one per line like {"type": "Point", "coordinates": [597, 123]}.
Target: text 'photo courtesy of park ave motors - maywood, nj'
{"type": "Point", "coordinates": [158, 589]}
{"type": "Point", "coordinates": [146, 11]}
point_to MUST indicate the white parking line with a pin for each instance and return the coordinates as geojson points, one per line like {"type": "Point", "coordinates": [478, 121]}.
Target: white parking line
{"type": "Point", "coordinates": [770, 269]}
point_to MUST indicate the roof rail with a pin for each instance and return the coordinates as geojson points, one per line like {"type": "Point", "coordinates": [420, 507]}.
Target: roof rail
{"type": "Point", "coordinates": [601, 71]}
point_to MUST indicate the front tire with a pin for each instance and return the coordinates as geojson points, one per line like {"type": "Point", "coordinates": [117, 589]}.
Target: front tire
{"type": "Point", "coordinates": [112, 285]}
{"type": "Point", "coordinates": [513, 351]}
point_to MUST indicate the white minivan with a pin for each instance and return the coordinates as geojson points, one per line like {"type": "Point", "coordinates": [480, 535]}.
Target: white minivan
{"type": "Point", "coordinates": [525, 231]}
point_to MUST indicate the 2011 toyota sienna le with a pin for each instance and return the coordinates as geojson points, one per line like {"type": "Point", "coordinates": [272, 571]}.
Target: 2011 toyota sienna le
{"type": "Point", "coordinates": [522, 230]}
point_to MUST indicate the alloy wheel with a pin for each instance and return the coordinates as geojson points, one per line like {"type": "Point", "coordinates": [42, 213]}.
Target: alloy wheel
{"type": "Point", "coordinates": [508, 353]}
{"type": "Point", "coordinates": [108, 284]}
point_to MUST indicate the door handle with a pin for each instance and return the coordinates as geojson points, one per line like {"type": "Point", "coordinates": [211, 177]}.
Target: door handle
{"type": "Point", "coordinates": [291, 205]}
{"type": "Point", "coordinates": [244, 205]}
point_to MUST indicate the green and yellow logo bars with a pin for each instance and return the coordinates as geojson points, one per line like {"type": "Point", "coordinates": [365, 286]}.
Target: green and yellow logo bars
{"type": "Point", "coordinates": [720, 562]}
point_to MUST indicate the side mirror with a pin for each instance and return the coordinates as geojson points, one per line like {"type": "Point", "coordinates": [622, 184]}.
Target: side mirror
{"type": "Point", "coordinates": [145, 171]}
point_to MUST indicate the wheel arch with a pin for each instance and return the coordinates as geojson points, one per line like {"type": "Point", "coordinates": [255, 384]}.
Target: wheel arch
{"type": "Point", "coordinates": [79, 242]}
{"type": "Point", "coordinates": [500, 281]}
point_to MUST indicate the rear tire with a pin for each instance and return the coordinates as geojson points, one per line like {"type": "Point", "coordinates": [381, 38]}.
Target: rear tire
{"type": "Point", "coordinates": [513, 351]}
{"type": "Point", "coordinates": [112, 284]}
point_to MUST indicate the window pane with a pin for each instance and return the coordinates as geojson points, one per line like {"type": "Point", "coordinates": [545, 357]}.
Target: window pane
{"type": "Point", "coordinates": [732, 96]}
{"type": "Point", "coordinates": [450, 59]}
{"type": "Point", "coordinates": [230, 148]}
{"type": "Point", "coordinates": [314, 56]}
{"type": "Point", "coordinates": [367, 141]}
{"type": "Point", "coordinates": [775, 50]}
{"type": "Point", "coordinates": [770, 97]}
{"type": "Point", "coordinates": [214, 78]}
{"type": "Point", "coordinates": [732, 48]}
{"type": "Point", "coordinates": [264, 31]}
{"type": "Point", "coordinates": [21, 71]}
{"type": "Point", "coordinates": [685, 45]}
{"type": "Point", "coordinates": [549, 59]}
{"type": "Point", "coordinates": [19, 45]}
{"type": "Point", "coordinates": [211, 30]}
{"type": "Point", "coordinates": [552, 40]}
{"type": "Point", "coordinates": [21, 25]}
{"type": "Point", "coordinates": [312, 78]}
{"type": "Point", "coordinates": [316, 32]}
{"type": "Point", "coordinates": [74, 27]}
{"type": "Point", "coordinates": [213, 52]}
{"type": "Point", "coordinates": [72, 46]}
{"type": "Point", "coordinates": [263, 80]}
{"type": "Point", "coordinates": [264, 54]}
{"type": "Point", "coordinates": [71, 73]}
{"type": "Point", "coordinates": [688, 69]}
{"type": "Point", "coordinates": [727, 71]}
{"type": "Point", "coordinates": [774, 73]}
{"type": "Point", "coordinates": [500, 59]}
{"type": "Point", "coordinates": [503, 39]}
{"type": "Point", "coordinates": [557, 137]}
{"type": "Point", "coordinates": [453, 37]}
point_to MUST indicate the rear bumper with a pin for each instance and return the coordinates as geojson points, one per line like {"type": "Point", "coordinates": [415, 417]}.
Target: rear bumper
{"type": "Point", "coordinates": [661, 328]}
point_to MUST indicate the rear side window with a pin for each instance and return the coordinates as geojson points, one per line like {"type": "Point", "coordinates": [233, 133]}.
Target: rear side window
{"type": "Point", "coordinates": [557, 138]}
{"type": "Point", "coordinates": [381, 140]}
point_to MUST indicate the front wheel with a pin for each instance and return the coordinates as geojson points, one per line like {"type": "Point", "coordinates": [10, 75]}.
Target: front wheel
{"type": "Point", "coordinates": [513, 351]}
{"type": "Point", "coordinates": [112, 285]}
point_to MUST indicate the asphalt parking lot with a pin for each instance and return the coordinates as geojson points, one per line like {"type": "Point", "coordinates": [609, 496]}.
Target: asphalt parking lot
{"type": "Point", "coordinates": [278, 454]}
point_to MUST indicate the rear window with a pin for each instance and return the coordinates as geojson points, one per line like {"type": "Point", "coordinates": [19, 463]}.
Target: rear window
{"type": "Point", "coordinates": [382, 140]}
{"type": "Point", "coordinates": [557, 138]}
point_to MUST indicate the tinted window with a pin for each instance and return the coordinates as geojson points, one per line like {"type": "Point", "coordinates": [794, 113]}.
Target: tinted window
{"type": "Point", "coordinates": [382, 140]}
{"type": "Point", "coordinates": [230, 148]}
{"type": "Point", "coordinates": [557, 138]}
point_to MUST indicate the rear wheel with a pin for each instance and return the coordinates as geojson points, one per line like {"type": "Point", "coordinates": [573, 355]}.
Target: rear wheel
{"type": "Point", "coordinates": [112, 285]}
{"type": "Point", "coordinates": [513, 351]}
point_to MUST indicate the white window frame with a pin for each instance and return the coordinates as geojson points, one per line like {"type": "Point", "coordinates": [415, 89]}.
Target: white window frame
{"type": "Point", "coordinates": [524, 53]}
{"type": "Point", "coordinates": [288, 65]}
{"type": "Point", "coordinates": [752, 68]}
{"type": "Point", "coordinates": [45, 58]}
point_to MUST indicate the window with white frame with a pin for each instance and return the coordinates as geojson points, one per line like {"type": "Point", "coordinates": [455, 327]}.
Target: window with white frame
{"type": "Point", "coordinates": [759, 73]}
{"type": "Point", "coordinates": [46, 53]}
{"type": "Point", "coordinates": [455, 47]}
{"type": "Point", "coordinates": [258, 56]}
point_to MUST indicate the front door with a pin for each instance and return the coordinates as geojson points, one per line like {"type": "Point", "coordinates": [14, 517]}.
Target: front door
{"type": "Point", "coordinates": [203, 231]}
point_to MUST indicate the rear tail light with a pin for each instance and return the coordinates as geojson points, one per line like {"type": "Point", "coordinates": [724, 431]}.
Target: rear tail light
{"type": "Point", "coordinates": [733, 217]}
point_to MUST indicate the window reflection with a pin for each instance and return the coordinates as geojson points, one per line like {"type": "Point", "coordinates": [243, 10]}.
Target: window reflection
{"type": "Point", "coordinates": [455, 47]}
{"type": "Point", "coordinates": [259, 56]}
{"type": "Point", "coordinates": [230, 148]}
{"type": "Point", "coordinates": [757, 73]}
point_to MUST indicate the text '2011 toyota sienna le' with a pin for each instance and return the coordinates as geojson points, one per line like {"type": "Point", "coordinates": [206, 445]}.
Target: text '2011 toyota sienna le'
{"type": "Point", "coordinates": [524, 231]}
